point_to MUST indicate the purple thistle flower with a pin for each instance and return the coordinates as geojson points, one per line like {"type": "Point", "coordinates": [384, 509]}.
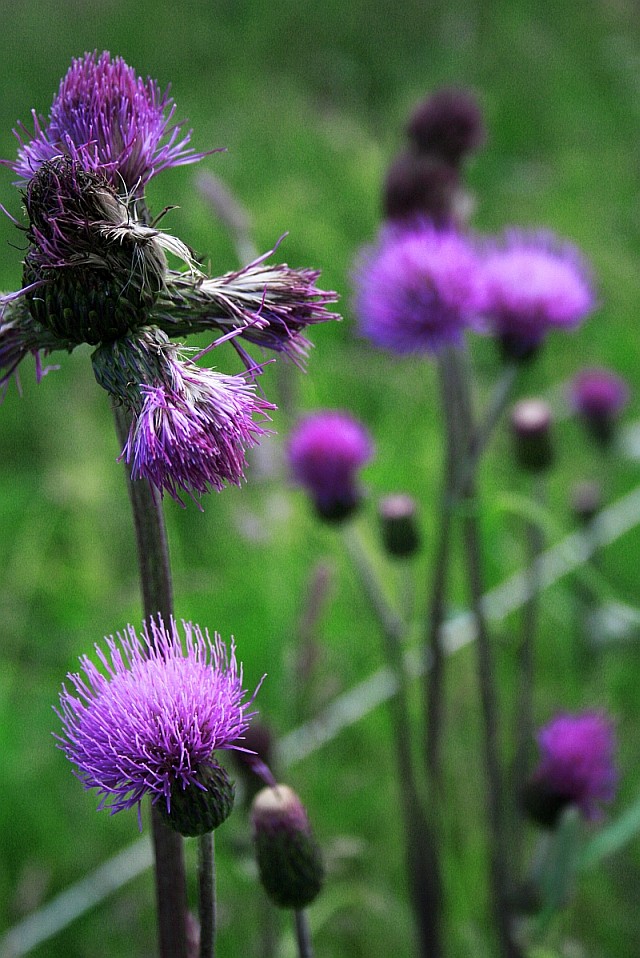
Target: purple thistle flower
{"type": "Point", "coordinates": [576, 766]}
{"type": "Point", "coordinates": [191, 435]}
{"type": "Point", "coordinates": [150, 721]}
{"type": "Point", "coordinates": [418, 289]}
{"type": "Point", "coordinates": [534, 283]}
{"type": "Point", "coordinates": [109, 120]}
{"type": "Point", "coordinates": [599, 391]}
{"type": "Point", "coordinates": [326, 450]}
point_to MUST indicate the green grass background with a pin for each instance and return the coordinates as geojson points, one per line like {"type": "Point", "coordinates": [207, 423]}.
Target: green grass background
{"type": "Point", "coordinates": [310, 101]}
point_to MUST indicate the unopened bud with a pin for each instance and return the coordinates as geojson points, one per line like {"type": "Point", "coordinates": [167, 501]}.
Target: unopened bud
{"type": "Point", "coordinates": [531, 427]}
{"type": "Point", "coordinates": [289, 859]}
{"type": "Point", "coordinates": [400, 534]}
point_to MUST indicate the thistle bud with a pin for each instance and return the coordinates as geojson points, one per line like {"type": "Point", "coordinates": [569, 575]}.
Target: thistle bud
{"type": "Point", "coordinates": [599, 396]}
{"type": "Point", "coordinates": [289, 859]}
{"type": "Point", "coordinates": [586, 500]}
{"type": "Point", "coordinates": [449, 124]}
{"type": "Point", "coordinates": [418, 185]}
{"type": "Point", "coordinates": [196, 811]}
{"type": "Point", "coordinates": [400, 534]}
{"type": "Point", "coordinates": [531, 427]}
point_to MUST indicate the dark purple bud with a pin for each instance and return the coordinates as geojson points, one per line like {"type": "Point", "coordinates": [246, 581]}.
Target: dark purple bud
{"type": "Point", "coordinates": [449, 124]}
{"type": "Point", "coordinates": [418, 185]}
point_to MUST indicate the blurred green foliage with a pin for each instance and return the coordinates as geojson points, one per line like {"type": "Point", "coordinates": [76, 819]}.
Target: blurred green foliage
{"type": "Point", "coordinates": [310, 101]}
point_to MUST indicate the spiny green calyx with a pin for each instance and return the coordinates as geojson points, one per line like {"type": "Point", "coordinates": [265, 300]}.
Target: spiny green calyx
{"type": "Point", "coordinates": [196, 812]}
{"type": "Point", "coordinates": [289, 858]}
{"type": "Point", "coordinates": [94, 269]}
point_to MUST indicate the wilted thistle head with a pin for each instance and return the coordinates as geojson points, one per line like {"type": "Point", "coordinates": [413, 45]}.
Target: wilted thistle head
{"type": "Point", "coordinates": [534, 283]}
{"type": "Point", "coordinates": [576, 767]}
{"type": "Point", "coordinates": [326, 451]}
{"type": "Point", "coordinates": [418, 289]}
{"type": "Point", "coordinates": [149, 718]}
{"type": "Point", "coordinates": [96, 270]}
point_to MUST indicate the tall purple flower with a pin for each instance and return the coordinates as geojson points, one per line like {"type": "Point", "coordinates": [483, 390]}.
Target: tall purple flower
{"type": "Point", "coordinates": [576, 767]}
{"type": "Point", "coordinates": [534, 283]}
{"type": "Point", "coordinates": [326, 450]}
{"type": "Point", "coordinates": [418, 289]}
{"type": "Point", "coordinates": [149, 718]}
{"type": "Point", "coordinates": [113, 122]}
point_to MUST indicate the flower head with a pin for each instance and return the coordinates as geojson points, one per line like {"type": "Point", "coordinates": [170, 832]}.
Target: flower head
{"type": "Point", "coordinates": [109, 120]}
{"type": "Point", "coordinates": [418, 289]}
{"type": "Point", "coordinates": [534, 283]}
{"type": "Point", "coordinates": [326, 450]}
{"type": "Point", "coordinates": [150, 717]}
{"type": "Point", "coordinates": [576, 765]}
{"type": "Point", "coordinates": [599, 396]}
{"type": "Point", "coordinates": [191, 436]}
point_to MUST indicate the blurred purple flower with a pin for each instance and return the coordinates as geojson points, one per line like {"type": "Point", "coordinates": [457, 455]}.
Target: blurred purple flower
{"type": "Point", "coordinates": [151, 720]}
{"type": "Point", "coordinates": [110, 120]}
{"type": "Point", "coordinates": [534, 283]}
{"type": "Point", "coordinates": [577, 761]}
{"type": "Point", "coordinates": [599, 395]}
{"type": "Point", "coordinates": [418, 289]}
{"type": "Point", "coordinates": [326, 450]}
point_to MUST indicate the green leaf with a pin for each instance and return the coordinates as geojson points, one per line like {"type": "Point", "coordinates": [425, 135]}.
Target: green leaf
{"type": "Point", "coordinates": [612, 838]}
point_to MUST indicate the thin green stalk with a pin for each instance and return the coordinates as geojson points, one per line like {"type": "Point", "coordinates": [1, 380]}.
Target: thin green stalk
{"type": "Point", "coordinates": [157, 599]}
{"type": "Point", "coordinates": [524, 719]}
{"type": "Point", "coordinates": [488, 693]}
{"type": "Point", "coordinates": [423, 863]}
{"type": "Point", "coordinates": [207, 895]}
{"type": "Point", "coordinates": [303, 934]}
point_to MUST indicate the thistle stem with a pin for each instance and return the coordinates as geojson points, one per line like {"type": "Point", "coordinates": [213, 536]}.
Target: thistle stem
{"type": "Point", "coordinates": [487, 688]}
{"type": "Point", "coordinates": [207, 895]}
{"type": "Point", "coordinates": [157, 599]}
{"type": "Point", "coordinates": [423, 862]}
{"type": "Point", "coordinates": [523, 719]}
{"type": "Point", "coordinates": [303, 934]}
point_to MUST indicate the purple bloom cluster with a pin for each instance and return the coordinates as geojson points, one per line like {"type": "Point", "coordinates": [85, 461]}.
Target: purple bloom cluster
{"type": "Point", "coordinates": [110, 120]}
{"type": "Point", "coordinates": [326, 450]}
{"type": "Point", "coordinates": [191, 436]}
{"type": "Point", "coordinates": [150, 717]}
{"type": "Point", "coordinates": [421, 287]}
{"type": "Point", "coordinates": [418, 289]}
{"type": "Point", "coordinates": [577, 760]}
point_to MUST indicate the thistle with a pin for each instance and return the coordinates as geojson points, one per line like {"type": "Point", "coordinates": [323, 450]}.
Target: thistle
{"type": "Point", "coordinates": [151, 721]}
{"type": "Point", "coordinates": [98, 271]}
